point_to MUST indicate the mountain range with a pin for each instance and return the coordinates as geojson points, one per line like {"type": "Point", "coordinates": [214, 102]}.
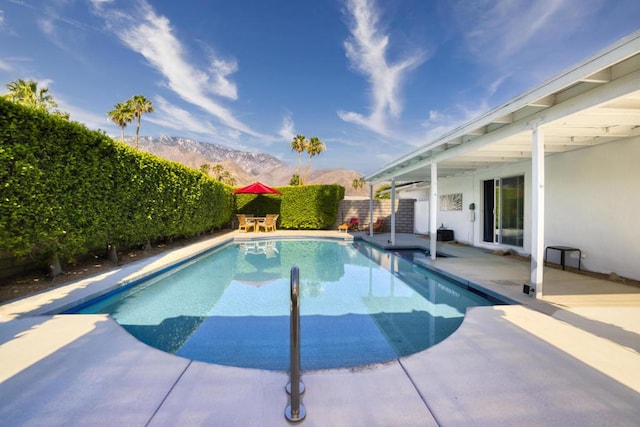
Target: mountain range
{"type": "Point", "coordinates": [245, 167]}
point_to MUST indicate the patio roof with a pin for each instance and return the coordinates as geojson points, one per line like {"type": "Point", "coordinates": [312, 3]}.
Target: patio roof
{"type": "Point", "coordinates": [594, 102]}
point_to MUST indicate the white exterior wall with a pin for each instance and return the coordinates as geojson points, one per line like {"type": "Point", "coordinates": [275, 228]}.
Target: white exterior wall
{"type": "Point", "coordinates": [458, 221]}
{"type": "Point", "coordinates": [421, 208]}
{"type": "Point", "coordinates": [592, 203]}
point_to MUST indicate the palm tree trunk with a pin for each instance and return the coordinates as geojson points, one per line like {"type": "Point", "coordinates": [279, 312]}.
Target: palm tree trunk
{"type": "Point", "coordinates": [138, 130]}
{"type": "Point", "coordinates": [122, 130]}
{"type": "Point", "coordinates": [306, 171]}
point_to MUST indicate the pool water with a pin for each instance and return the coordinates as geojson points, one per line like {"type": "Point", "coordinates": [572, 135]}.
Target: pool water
{"type": "Point", "coordinates": [359, 305]}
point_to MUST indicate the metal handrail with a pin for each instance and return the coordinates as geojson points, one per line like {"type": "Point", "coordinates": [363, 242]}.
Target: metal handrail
{"type": "Point", "coordinates": [295, 411]}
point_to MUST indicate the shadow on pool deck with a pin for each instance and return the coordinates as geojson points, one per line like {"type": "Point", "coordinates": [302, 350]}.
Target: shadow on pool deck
{"type": "Point", "coordinates": [570, 359]}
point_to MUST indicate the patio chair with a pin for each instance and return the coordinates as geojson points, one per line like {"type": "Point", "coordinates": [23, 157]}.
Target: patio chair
{"type": "Point", "coordinates": [354, 224]}
{"type": "Point", "coordinates": [269, 223]}
{"type": "Point", "coordinates": [275, 220]}
{"type": "Point", "coordinates": [242, 222]}
{"type": "Point", "coordinates": [378, 226]}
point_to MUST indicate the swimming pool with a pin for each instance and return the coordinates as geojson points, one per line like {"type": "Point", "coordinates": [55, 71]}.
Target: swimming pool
{"type": "Point", "coordinates": [359, 305]}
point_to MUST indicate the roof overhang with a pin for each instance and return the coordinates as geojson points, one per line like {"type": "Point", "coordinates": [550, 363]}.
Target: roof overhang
{"type": "Point", "coordinates": [594, 102]}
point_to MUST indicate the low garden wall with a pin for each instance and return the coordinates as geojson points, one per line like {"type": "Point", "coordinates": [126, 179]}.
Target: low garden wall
{"type": "Point", "coordinates": [404, 209]}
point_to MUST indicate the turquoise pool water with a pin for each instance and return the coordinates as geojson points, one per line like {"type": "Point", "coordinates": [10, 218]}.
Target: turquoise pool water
{"type": "Point", "coordinates": [359, 305]}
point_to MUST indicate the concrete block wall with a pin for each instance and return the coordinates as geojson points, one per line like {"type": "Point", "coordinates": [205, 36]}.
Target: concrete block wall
{"type": "Point", "coordinates": [381, 209]}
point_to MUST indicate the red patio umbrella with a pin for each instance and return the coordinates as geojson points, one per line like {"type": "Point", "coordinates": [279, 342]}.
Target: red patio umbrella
{"type": "Point", "coordinates": [257, 188]}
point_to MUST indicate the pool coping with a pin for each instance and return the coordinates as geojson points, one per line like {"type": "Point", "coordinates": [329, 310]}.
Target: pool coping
{"type": "Point", "coordinates": [427, 264]}
{"type": "Point", "coordinates": [59, 299]}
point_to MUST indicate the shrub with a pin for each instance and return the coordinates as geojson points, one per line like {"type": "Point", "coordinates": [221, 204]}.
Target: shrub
{"type": "Point", "coordinates": [66, 189]}
{"type": "Point", "coordinates": [307, 207]}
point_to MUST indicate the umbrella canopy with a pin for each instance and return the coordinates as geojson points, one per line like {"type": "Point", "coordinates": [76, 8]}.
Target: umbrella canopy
{"type": "Point", "coordinates": [257, 188]}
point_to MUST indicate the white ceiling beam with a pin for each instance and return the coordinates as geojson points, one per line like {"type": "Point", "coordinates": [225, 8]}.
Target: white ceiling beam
{"type": "Point", "coordinates": [545, 102]}
{"type": "Point", "coordinates": [603, 76]}
{"type": "Point", "coordinates": [594, 120]}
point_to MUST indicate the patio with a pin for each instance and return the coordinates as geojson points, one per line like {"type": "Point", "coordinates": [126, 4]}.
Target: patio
{"type": "Point", "coordinates": [570, 358]}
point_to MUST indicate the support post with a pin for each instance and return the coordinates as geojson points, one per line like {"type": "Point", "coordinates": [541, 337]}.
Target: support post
{"type": "Point", "coordinates": [371, 210]}
{"type": "Point", "coordinates": [537, 209]}
{"type": "Point", "coordinates": [393, 212]}
{"type": "Point", "coordinates": [295, 411]}
{"type": "Point", "coordinates": [433, 211]}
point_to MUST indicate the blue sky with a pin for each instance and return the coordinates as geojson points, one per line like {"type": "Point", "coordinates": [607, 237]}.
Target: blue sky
{"type": "Point", "coordinates": [373, 79]}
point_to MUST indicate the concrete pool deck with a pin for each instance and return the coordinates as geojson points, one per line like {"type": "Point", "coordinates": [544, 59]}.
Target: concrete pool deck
{"type": "Point", "coordinates": [572, 358]}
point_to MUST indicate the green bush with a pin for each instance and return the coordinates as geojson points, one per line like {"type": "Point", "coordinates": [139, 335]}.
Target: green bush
{"type": "Point", "coordinates": [307, 207]}
{"type": "Point", "coordinates": [66, 189]}
{"type": "Point", "coordinates": [310, 207]}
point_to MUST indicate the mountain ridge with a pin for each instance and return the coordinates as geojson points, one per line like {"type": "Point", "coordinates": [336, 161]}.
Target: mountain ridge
{"type": "Point", "coordinates": [244, 166]}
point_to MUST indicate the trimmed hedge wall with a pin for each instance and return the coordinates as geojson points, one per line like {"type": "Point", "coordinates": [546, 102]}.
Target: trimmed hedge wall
{"type": "Point", "coordinates": [66, 189]}
{"type": "Point", "coordinates": [307, 207]}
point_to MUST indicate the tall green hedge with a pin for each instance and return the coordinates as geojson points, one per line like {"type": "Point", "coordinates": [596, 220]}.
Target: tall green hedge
{"type": "Point", "coordinates": [307, 207]}
{"type": "Point", "coordinates": [66, 189]}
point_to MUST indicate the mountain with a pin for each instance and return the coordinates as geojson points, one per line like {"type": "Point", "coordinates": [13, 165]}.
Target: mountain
{"type": "Point", "coordinates": [245, 167]}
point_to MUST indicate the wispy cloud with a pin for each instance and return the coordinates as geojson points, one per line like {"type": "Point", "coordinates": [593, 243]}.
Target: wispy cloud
{"type": "Point", "coordinates": [5, 66]}
{"type": "Point", "coordinates": [170, 116]}
{"type": "Point", "coordinates": [507, 31]}
{"type": "Point", "coordinates": [367, 50]}
{"type": "Point", "coordinates": [287, 130]}
{"type": "Point", "coordinates": [79, 114]}
{"type": "Point", "coordinates": [151, 35]}
{"type": "Point", "coordinates": [508, 38]}
{"type": "Point", "coordinates": [439, 123]}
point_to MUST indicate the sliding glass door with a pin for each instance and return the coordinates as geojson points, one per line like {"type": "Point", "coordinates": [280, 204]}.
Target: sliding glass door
{"type": "Point", "coordinates": [504, 211]}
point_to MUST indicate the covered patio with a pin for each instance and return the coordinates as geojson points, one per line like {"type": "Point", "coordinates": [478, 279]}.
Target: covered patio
{"type": "Point", "coordinates": [594, 103]}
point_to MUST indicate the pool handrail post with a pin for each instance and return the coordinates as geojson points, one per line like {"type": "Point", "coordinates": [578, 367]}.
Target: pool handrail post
{"type": "Point", "coordinates": [295, 411]}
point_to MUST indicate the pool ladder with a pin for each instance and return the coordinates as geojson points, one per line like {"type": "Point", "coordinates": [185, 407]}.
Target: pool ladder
{"type": "Point", "coordinates": [295, 411]}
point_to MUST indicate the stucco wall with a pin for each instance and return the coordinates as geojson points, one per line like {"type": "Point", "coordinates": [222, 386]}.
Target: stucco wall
{"type": "Point", "coordinates": [592, 202]}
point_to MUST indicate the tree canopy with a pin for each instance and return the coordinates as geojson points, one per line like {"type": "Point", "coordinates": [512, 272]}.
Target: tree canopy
{"type": "Point", "coordinates": [313, 147]}
{"type": "Point", "coordinates": [27, 93]}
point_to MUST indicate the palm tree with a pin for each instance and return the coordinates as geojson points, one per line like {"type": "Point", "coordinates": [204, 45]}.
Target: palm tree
{"type": "Point", "coordinates": [357, 183]}
{"type": "Point", "coordinates": [27, 93]}
{"type": "Point", "coordinates": [121, 114]}
{"type": "Point", "coordinates": [313, 148]}
{"type": "Point", "coordinates": [299, 144]}
{"type": "Point", "coordinates": [223, 175]}
{"type": "Point", "coordinates": [139, 104]}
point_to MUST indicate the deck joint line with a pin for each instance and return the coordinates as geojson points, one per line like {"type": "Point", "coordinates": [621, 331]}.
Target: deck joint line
{"type": "Point", "coordinates": [426, 404]}
{"type": "Point", "coordinates": [164, 399]}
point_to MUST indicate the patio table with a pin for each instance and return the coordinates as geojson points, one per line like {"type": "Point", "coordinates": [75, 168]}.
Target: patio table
{"type": "Point", "coordinates": [254, 221]}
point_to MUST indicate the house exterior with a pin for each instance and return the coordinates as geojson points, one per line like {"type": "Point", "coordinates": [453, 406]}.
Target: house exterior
{"type": "Point", "coordinates": [556, 166]}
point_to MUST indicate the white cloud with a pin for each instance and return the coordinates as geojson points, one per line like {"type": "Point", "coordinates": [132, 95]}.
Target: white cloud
{"type": "Point", "coordinates": [439, 123]}
{"type": "Point", "coordinates": [153, 37]}
{"type": "Point", "coordinates": [505, 31]}
{"type": "Point", "coordinates": [367, 50]}
{"type": "Point", "coordinates": [220, 84]}
{"type": "Point", "coordinates": [46, 26]}
{"type": "Point", "coordinates": [287, 130]}
{"type": "Point", "coordinates": [4, 66]}
{"type": "Point", "coordinates": [78, 114]}
{"type": "Point", "coordinates": [173, 117]}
